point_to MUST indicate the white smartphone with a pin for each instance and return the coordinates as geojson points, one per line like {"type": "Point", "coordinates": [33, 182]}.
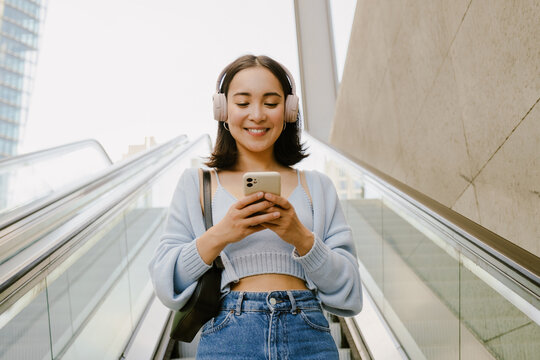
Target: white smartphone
{"type": "Point", "coordinates": [265, 181]}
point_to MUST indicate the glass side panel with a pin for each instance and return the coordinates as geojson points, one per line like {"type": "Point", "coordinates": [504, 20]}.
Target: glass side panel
{"type": "Point", "coordinates": [61, 312]}
{"type": "Point", "coordinates": [504, 330]}
{"type": "Point", "coordinates": [420, 288]}
{"type": "Point", "coordinates": [143, 229]}
{"type": "Point", "coordinates": [91, 303]}
{"type": "Point", "coordinates": [440, 300]}
{"type": "Point", "coordinates": [98, 285]}
{"type": "Point", "coordinates": [25, 335]}
{"type": "Point", "coordinates": [35, 179]}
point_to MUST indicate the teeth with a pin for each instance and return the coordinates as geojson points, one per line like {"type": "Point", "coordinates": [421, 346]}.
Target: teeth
{"type": "Point", "coordinates": [258, 131]}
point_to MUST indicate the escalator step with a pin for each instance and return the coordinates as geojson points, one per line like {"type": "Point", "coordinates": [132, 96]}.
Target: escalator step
{"type": "Point", "coordinates": [344, 354]}
{"type": "Point", "coordinates": [335, 330]}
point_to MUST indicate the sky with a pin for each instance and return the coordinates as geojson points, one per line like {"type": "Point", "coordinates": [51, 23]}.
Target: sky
{"type": "Point", "coordinates": [120, 70]}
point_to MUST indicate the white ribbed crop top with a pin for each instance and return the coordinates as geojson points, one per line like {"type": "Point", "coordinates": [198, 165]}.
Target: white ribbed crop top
{"type": "Point", "coordinates": [262, 252]}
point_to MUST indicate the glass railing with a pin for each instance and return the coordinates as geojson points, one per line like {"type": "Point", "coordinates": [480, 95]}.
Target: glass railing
{"type": "Point", "coordinates": [443, 294]}
{"type": "Point", "coordinates": [29, 177]}
{"type": "Point", "coordinates": [85, 300]}
{"type": "Point", "coordinates": [35, 222]}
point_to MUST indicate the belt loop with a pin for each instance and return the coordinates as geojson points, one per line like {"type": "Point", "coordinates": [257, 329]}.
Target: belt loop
{"type": "Point", "coordinates": [239, 303]}
{"type": "Point", "coordinates": [293, 302]}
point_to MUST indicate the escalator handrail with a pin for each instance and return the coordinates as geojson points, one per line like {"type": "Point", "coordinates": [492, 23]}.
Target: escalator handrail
{"type": "Point", "coordinates": [54, 151]}
{"type": "Point", "coordinates": [22, 212]}
{"type": "Point", "coordinates": [33, 265]}
{"type": "Point", "coordinates": [478, 238]}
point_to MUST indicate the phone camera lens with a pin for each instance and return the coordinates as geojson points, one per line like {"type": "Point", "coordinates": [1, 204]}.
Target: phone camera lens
{"type": "Point", "coordinates": [249, 179]}
{"type": "Point", "coordinates": [249, 184]}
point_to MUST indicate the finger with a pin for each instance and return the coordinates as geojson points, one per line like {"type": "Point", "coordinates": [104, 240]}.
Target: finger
{"type": "Point", "coordinates": [272, 224]}
{"type": "Point", "coordinates": [263, 218]}
{"type": "Point", "coordinates": [279, 200]}
{"type": "Point", "coordinates": [240, 204]}
{"type": "Point", "coordinates": [255, 228]}
{"type": "Point", "coordinates": [275, 208]}
{"type": "Point", "coordinates": [255, 208]}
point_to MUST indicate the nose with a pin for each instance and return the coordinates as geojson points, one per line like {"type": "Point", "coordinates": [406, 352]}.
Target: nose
{"type": "Point", "coordinates": [257, 112]}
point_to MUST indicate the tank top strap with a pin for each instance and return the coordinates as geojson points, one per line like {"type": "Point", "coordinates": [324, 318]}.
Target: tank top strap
{"type": "Point", "coordinates": [217, 177]}
{"type": "Point", "coordinates": [298, 173]}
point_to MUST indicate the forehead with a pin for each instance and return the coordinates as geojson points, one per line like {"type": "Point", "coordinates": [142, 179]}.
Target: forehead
{"type": "Point", "coordinates": [255, 80]}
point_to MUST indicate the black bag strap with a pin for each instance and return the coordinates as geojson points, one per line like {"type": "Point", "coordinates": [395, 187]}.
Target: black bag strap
{"type": "Point", "coordinates": [207, 201]}
{"type": "Point", "coordinates": [207, 195]}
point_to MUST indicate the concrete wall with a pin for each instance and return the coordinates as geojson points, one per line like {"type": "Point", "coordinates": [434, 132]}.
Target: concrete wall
{"type": "Point", "coordinates": [443, 96]}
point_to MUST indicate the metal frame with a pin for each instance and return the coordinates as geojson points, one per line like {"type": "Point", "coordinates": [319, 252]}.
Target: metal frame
{"type": "Point", "coordinates": [54, 151]}
{"type": "Point", "coordinates": [317, 63]}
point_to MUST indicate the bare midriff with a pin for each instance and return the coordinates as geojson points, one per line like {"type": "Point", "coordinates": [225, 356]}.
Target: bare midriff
{"type": "Point", "coordinates": [269, 282]}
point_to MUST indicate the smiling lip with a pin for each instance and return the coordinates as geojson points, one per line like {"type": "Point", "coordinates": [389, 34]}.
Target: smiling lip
{"type": "Point", "coordinates": [257, 132]}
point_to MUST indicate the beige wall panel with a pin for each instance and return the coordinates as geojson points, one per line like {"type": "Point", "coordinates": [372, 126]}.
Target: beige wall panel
{"type": "Point", "coordinates": [346, 134]}
{"type": "Point", "coordinates": [496, 56]}
{"type": "Point", "coordinates": [380, 143]}
{"type": "Point", "coordinates": [508, 188]}
{"type": "Point", "coordinates": [467, 204]}
{"type": "Point", "coordinates": [434, 147]}
{"type": "Point", "coordinates": [425, 35]}
{"type": "Point", "coordinates": [374, 28]}
{"type": "Point", "coordinates": [434, 23]}
{"type": "Point", "coordinates": [378, 23]}
{"type": "Point", "coordinates": [409, 80]}
{"type": "Point", "coordinates": [453, 79]}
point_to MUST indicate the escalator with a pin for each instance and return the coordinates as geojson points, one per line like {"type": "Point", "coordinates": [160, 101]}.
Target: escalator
{"type": "Point", "coordinates": [74, 282]}
{"type": "Point", "coordinates": [73, 267]}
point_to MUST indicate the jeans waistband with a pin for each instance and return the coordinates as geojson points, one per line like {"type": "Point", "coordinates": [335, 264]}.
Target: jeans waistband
{"type": "Point", "coordinates": [288, 300]}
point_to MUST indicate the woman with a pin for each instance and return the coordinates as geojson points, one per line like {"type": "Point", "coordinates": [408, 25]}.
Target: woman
{"type": "Point", "coordinates": [285, 256]}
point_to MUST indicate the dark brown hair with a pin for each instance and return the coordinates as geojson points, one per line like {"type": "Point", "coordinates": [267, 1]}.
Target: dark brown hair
{"type": "Point", "coordinates": [287, 148]}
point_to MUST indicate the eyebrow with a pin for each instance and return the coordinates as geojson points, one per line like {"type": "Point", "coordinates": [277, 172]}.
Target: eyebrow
{"type": "Point", "coordinates": [264, 95]}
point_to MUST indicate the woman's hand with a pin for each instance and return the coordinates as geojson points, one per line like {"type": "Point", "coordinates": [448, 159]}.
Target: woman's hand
{"type": "Point", "coordinates": [238, 223]}
{"type": "Point", "coordinates": [287, 226]}
{"type": "Point", "coordinates": [241, 219]}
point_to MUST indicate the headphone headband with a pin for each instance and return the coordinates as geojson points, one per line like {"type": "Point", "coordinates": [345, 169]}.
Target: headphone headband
{"type": "Point", "coordinates": [221, 77]}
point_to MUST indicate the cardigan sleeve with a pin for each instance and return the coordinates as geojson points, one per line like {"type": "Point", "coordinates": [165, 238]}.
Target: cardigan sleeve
{"type": "Point", "coordinates": [176, 264]}
{"type": "Point", "coordinates": [331, 266]}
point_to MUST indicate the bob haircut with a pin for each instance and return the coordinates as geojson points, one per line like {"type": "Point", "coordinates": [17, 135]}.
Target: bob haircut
{"type": "Point", "coordinates": [287, 148]}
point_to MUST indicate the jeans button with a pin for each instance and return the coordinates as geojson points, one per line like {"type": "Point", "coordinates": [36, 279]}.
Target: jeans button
{"type": "Point", "coordinates": [272, 301]}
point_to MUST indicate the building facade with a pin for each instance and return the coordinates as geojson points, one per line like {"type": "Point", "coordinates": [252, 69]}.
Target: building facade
{"type": "Point", "coordinates": [20, 22]}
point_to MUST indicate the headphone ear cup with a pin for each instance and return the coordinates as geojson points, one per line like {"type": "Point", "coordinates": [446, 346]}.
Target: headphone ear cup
{"type": "Point", "coordinates": [291, 108]}
{"type": "Point", "coordinates": [220, 106]}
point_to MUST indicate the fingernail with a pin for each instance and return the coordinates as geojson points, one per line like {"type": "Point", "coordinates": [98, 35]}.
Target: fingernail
{"type": "Point", "coordinates": [260, 194]}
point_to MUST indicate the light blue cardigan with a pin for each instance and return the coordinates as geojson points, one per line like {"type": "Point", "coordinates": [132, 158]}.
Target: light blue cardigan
{"type": "Point", "coordinates": [330, 267]}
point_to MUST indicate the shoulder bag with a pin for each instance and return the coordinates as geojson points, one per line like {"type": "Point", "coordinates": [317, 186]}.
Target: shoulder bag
{"type": "Point", "coordinates": [204, 303]}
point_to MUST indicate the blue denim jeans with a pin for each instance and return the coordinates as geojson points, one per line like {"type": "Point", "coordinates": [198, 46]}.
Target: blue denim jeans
{"type": "Point", "coordinates": [268, 325]}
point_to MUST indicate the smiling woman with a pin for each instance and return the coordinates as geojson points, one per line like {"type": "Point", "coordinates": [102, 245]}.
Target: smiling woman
{"type": "Point", "coordinates": [228, 104]}
{"type": "Point", "coordinates": [285, 257]}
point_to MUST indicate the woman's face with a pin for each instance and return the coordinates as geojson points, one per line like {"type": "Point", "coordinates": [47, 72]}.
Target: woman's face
{"type": "Point", "coordinates": [255, 109]}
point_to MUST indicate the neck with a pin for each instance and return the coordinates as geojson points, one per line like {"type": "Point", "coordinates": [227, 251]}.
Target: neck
{"type": "Point", "coordinates": [257, 162]}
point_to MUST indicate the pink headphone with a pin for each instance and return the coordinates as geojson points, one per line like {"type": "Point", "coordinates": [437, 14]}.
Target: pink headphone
{"type": "Point", "coordinates": [220, 101]}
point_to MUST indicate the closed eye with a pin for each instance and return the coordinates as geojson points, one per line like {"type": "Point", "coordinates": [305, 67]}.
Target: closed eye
{"type": "Point", "coordinates": [271, 105]}
{"type": "Point", "coordinates": [242, 104]}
